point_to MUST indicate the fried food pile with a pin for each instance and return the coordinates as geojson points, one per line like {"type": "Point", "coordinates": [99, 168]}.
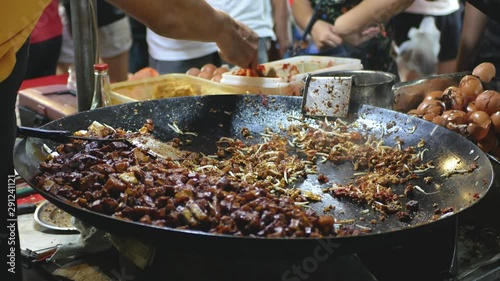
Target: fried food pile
{"type": "Point", "coordinates": [244, 189]}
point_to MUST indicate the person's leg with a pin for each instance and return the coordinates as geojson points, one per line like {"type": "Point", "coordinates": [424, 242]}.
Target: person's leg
{"type": "Point", "coordinates": [43, 58]}
{"type": "Point", "coordinates": [115, 40]}
{"type": "Point", "coordinates": [263, 49]}
{"type": "Point", "coordinates": [8, 91]}
{"type": "Point", "coordinates": [139, 53]}
{"type": "Point", "coordinates": [66, 56]}
{"type": "Point", "coordinates": [118, 67]}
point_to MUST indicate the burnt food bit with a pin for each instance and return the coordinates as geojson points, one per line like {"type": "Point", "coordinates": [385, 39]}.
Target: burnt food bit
{"type": "Point", "coordinates": [412, 206]}
{"type": "Point", "coordinates": [403, 217]}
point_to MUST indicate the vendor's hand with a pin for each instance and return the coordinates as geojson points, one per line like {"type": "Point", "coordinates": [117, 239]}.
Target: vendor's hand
{"type": "Point", "coordinates": [324, 36]}
{"type": "Point", "coordinates": [238, 44]}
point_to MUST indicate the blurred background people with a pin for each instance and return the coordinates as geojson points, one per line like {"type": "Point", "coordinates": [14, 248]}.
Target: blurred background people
{"type": "Point", "coordinates": [139, 54]}
{"type": "Point", "coordinates": [17, 20]}
{"type": "Point", "coordinates": [114, 37]}
{"type": "Point", "coordinates": [268, 18]}
{"type": "Point", "coordinates": [45, 43]}
{"type": "Point", "coordinates": [357, 29]}
{"type": "Point", "coordinates": [19, 17]}
{"type": "Point", "coordinates": [480, 39]}
{"type": "Point", "coordinates": [418, 56]}
{"type": "Point", "coordinates": [282, 27]}
{"type": "Point", "coordinates": [263, 17]}
{"type": "Point", "coordinates": [447, 16]}
{"type": "Point", "coordinates": [168, 55]}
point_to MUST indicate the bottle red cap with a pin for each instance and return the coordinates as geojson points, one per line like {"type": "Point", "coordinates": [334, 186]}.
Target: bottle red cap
{"type": "Point", "coordinates": [101, 66]}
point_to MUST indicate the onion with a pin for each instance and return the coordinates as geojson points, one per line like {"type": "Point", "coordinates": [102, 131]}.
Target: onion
{"type": "Point", "coordinates": [454, 98]}
{"type": "Point", "coordinates": [488, 101]}
{"type": "Point", "coordinates": [429, 116]}
{"type": "Point", "coordinates": [471, 107]}
{"type": "Point", "coordinates": [205, 75]}
{"type": "Point", "coordinates": [479, 125]}
{"type": "Point", "coordinates": [485, 71]}
{"type": "Point", "coordinates": [439, 120]}
{"type": "Point", "coordinates": [194, 71]}
{"type": "Point", "coordinates": [430, 106]}
{"type": "Point", "coordinates": [454, 118]}
{"type": "Point", "coordinates": [471, 86]}
{"type": "Point", "coordinates": [220, 70]}
{"type": "Point", "coordinates": [209, 67]}
{"type": "Point", "coordinates": [216, 77]}
{"type": "Point", "coordinates": [457, 117]}
{"type": "Point", "coordinates": [434, 95]}
{"type": "Point", "coordinates": [495, 122]}
{"type": "Point", "coordinates": [413, 112]}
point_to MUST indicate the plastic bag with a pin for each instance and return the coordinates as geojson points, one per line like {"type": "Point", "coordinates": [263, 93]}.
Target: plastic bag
{"type": "Point", "coordinates": [420, 53]}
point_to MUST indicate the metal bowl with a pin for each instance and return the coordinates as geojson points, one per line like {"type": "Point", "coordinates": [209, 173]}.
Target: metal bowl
{"type": "Point", "coordinates": [368, 86]}
{"type": "Point", "coordinates": [408, 95]}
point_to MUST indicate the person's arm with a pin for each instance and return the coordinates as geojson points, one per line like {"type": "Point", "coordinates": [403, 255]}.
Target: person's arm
{"type": "Point", "coordinates": [355, 26]}
{"type": "Point", "coordinates": [488, 7]}
{"type": "Point", "coordinates": [281, 24]}
{"type": "Point", "coordinates": [369, 13]}
{"type": "Point", "coordinates": [196, 20]}
{"type": "Point", "coordinates": [301, 12]}
{"type": "Point", "coordinates": [473, 28]}
{"type": "Point", "coordinates": [322, 32]}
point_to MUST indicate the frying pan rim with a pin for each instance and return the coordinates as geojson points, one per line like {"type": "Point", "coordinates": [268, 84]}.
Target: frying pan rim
{"type": "Point", "coordinates": [387, 75]}
{"type": "Point", "coordinates": [207, 234]}
{"type": "Point", "coordinates": [65, 203]}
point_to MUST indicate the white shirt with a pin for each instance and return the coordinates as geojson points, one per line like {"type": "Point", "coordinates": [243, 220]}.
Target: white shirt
{"type": "Point", "coordinates": [434, 8]}
{"type": "Point", "coordinates": [256, 14]}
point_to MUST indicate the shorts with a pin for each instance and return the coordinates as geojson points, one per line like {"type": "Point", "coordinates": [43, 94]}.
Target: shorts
{"type": "Point", "coordinates": [182, 66]}
{"type": "Point", "coordinates": [450, 27]}
{"type": "Point", "coordinates": [114, 39]}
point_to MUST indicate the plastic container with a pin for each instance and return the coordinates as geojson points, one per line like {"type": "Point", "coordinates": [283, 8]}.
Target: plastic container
{"type": "Point", "coordinates": [167, 86]}
{"type": "Point", "coordinates": [289, 74]}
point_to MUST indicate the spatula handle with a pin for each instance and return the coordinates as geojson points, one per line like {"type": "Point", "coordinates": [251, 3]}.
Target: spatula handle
{"type": "Point", "coordinates": [54, 135]}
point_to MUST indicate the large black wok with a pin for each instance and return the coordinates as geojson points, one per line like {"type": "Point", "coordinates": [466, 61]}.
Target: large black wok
{"type": "Point", "coordinates": [215, 116]}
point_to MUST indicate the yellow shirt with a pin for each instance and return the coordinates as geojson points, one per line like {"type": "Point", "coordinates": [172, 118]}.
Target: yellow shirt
{"type": "Point", "coordinates": [17, 20]}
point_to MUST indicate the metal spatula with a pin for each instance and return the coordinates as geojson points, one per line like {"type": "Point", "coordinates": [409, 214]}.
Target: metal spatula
{"type": "Point", "coordinates": [152, 146]}
{"type": "Point", "coordinates": [55, 135]}
{"type": "Point", "coordinates": [156, 148]}
{"type": "Point", "coordinates": [326, 96]}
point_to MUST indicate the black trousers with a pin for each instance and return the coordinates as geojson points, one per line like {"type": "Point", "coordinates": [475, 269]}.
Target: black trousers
{"type": "Point", "coordinates": [8, 95]}
{"type": "Point", "coordinates": [43, 58]}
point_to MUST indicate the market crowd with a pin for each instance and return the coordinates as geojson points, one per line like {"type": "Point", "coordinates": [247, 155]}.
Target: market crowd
{"type": "Point", "coordinates": [412, 38]}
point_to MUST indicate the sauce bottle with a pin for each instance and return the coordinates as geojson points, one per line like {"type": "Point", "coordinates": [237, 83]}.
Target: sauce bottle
{"type": "Point", "coordinates": [102, 95]}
